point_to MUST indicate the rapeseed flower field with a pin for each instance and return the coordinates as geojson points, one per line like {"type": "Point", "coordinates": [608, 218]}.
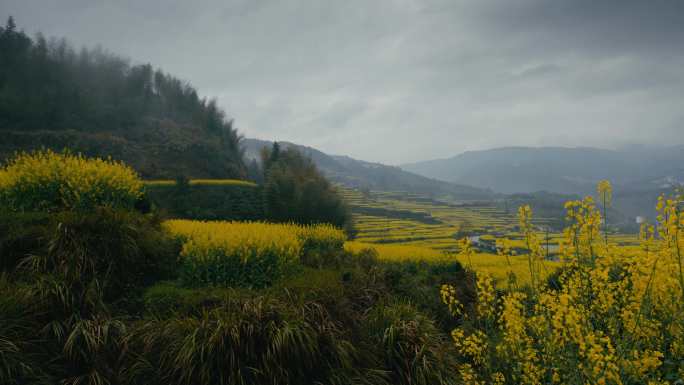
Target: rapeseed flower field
{"type": "Point", "coordinates": [497, 266]}
{"type": "Point", "coordinates": [48, 181]}
{"type": "Point", "coordinates": [246, 253]}
{"type": "Point", "coordinates": [399, 253]}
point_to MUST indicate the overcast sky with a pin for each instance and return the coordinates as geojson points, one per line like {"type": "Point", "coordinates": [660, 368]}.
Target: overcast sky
{"type": "Point", "coordinates": [398, 81]}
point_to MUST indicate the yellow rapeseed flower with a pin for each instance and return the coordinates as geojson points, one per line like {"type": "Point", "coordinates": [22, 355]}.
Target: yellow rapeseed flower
{"type": "Point", "coordinates": [219, 252]}
{"type": "Point", "coordinates": [47, 181]}
{"type": "Point", "coordinates": [613, 315]}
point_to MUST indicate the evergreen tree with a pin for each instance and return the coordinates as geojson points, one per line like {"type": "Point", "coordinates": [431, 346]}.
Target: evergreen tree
{"type": "Point", "coordinates": [11, 26]}
{"type": "Point", "coordinates": [46, 86]}
{"type": "Point", "coordinates": [295, 191]}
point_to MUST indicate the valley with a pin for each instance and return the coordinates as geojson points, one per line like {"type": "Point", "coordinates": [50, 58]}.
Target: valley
{"type": "Point", "coordinates": [147, 239]}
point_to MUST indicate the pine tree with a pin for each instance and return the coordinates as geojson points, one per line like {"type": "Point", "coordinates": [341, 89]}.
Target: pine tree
{"type": "Point", "coordinates": [11, 26]}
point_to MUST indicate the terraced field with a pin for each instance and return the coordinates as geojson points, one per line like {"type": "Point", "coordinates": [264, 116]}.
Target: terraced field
{"type": "Point", "coordinates": [404, 226]}
{"type": "Point", "coordinates": [396, 217]}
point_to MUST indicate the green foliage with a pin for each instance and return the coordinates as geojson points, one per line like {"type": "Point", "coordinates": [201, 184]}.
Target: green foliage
{"type": "Point", "coordinates": [313, 327]}
{"type": "Point", "coordinates": [93, 351]}
{"type": "Point", "coordinates": [19, 347]}
{"type": "Point", "coordinates": [253, 341]}
{"type": "Point", "coordinates": [320, 249]}
{"type": "Point", "coordinates": [55, 323]}
{"type": "Point", "coordinates": [412, 348]}
{"type": "Point", "coordinates": [294, 190]}
{"type": "Point", "coordinates": [309, 328]}
{"type": "Point", "coordinates": [325, 286]}
{"type": "Point", "coordinates": [74, 310]}
{"type": "Point", "coordinates": [231, 269]}
{"type": "Point", "coordinates": [167, 299]}
{"type": "Point", "coordinates": [419, 282]}
{"type": "Point", "coordinates": [47, 338]}
{"type": "Point", "coordinates": [97, 103]}
{"type": "Point", "coordinates": [121, 249]}
{"type": "Point", "coordinates": [22, 234]}
{"type": "Point", "coordinates": [207, 201]}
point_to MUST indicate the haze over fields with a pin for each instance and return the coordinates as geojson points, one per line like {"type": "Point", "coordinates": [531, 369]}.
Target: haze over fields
{"type": "Point", "coordinates": [401, 81]}
{"type": "Point", "coordinates": [471, 100]}
{"type": "Point", "coordinates": [385, 192]}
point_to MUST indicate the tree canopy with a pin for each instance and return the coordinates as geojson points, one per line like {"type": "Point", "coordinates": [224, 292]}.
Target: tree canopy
{"type": "Point", "coordinates": [295, 191]}
{"type": "Point", "coordinates": [48, 88]}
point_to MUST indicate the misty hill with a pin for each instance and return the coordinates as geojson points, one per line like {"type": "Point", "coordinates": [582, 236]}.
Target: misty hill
{"type": "Point", "coordinates": [558, 169]}
{"type": "Point", "coordinates": [95, 102]}
{"type": "Point", "coordinates": [639, 173]}
{"type": "Point", "coordinates": [374, 176]}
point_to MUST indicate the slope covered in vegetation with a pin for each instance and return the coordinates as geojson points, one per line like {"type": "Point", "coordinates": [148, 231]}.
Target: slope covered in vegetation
{"type": "Point", "coordinates": [96, 287]}
{"type": "Point", "coordinates": [358, 174]}
{"type": "Point", "coordinates": [103, 294]}
{"type": "Point", "coordinates": [95, 102]}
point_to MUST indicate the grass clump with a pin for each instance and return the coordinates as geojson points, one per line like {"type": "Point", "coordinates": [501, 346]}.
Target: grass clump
{"type": "Point", "coordinates": [257, 340]}
{"type": "Point", "coordinates": [410, 346]}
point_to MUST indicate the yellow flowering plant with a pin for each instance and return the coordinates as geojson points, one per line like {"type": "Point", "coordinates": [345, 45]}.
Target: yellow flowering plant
{"type": "Point", "coordinates": [246, 253]}
{"type": "Point", "coordinates": [613, 317]}
{"type": "Point", "coordinates": [605, 192]}
{"type": "Point", "coordinates": [50, 181]}
{"type": "Point", "coordinates": [390, 252]}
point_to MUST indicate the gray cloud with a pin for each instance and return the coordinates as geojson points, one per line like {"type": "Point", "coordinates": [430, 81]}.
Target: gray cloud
{"type": "Point", "coordinates": [403, 80]}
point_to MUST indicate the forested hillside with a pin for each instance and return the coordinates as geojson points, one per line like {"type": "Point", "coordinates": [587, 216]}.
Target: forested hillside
{"type": "Point", "coordinates": [359, 174]}
{"type": "Point", "coordinates": [55, 96]}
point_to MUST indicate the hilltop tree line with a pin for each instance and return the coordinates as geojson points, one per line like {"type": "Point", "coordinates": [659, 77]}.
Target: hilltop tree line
{"type": "Point", "coordinates": [294, 190]}
{"type": "Point", "coordinates": [47, 85]}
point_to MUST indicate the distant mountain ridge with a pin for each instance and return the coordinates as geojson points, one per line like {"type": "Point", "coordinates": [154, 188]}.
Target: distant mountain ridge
{"type": "Point", "coordinates": [639, 173]}
{"type": "Point", "coordinates": [374, 176]}
{"type": "Point", "coordinates": [558, 169]}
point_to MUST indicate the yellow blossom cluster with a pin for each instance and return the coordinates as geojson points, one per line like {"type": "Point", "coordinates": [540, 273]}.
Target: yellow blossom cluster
{"type": "Point", "coordinates": [251, 253]}
{"type": "Point", "coordinates": [611, 315]}
{"type": "Point", "coordinates": [322, 236]}
{"type": "Point", "coordinates": [49, 181]}
{"type": "Point", "coordinates": [399, 252]}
